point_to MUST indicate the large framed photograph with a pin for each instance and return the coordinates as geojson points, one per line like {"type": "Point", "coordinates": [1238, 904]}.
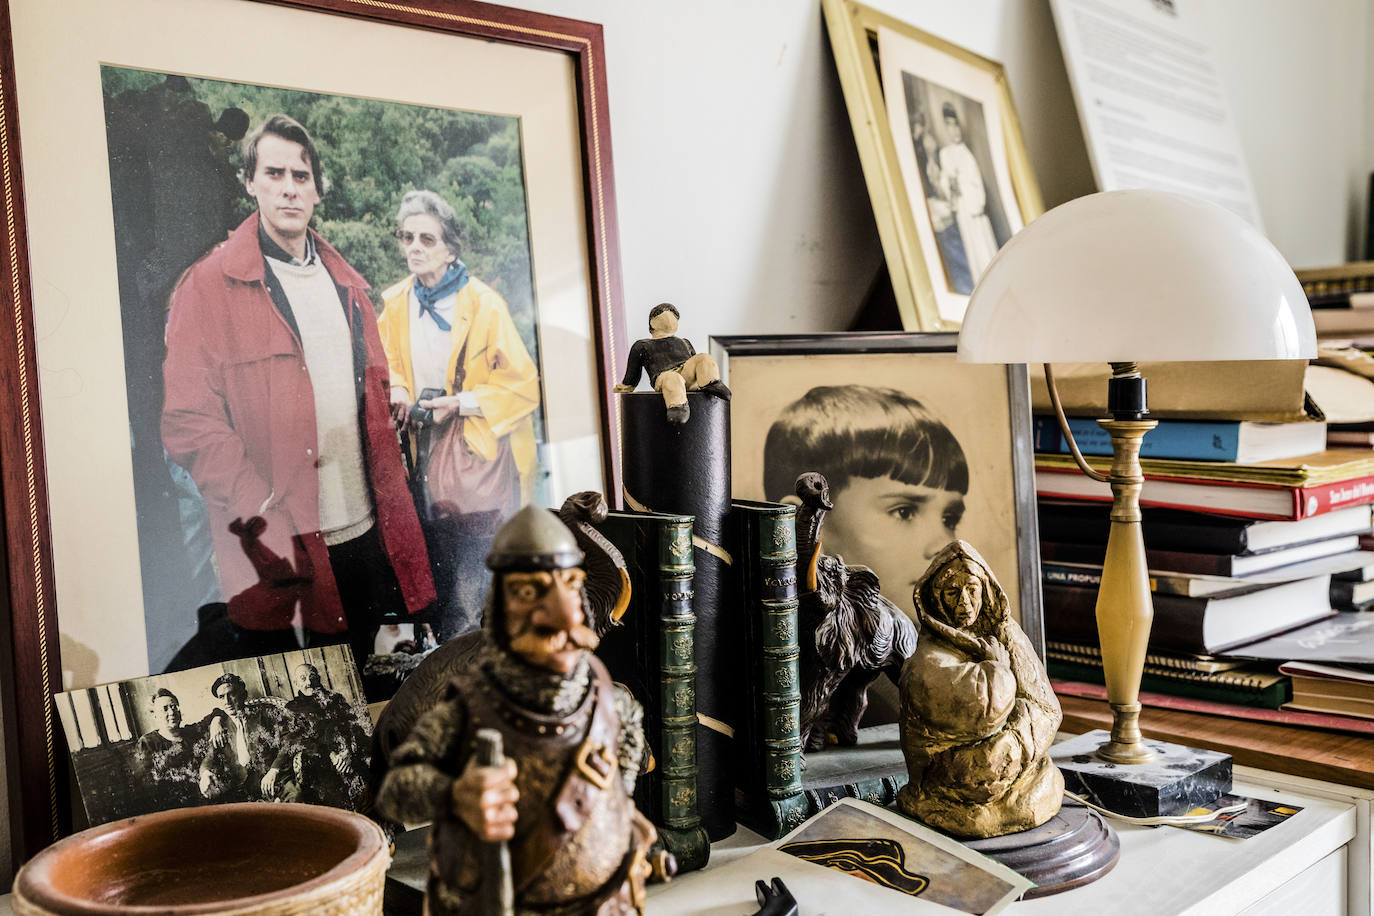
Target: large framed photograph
{"type": "Point", "coordinates": [295, 325]}
{"type": "Point", "coordinates": [917, 448]}
{"type": "Point", "coordinates": [942, 154]}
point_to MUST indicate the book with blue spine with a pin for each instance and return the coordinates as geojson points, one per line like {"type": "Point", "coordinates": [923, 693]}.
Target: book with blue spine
{"type": "Point", "coordinates": [1241, 441]}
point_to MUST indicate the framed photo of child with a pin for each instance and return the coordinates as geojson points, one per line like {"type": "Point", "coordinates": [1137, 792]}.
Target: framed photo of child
{"type": "Point", "coordinates": [918, 450]}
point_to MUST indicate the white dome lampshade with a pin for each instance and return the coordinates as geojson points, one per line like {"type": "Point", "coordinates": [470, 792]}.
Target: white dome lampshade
{"type": "Point", "coordinates": [1135, 276]}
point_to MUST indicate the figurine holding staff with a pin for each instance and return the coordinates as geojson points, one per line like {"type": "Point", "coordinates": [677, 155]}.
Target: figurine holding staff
{"type": "Point", "coordinates": [574, 745]}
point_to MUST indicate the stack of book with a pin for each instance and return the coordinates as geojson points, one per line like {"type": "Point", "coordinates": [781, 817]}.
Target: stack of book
{"type": "Point", "coordinates": [1204, 677]}
{"type": "Point", "coordinates": [1342, 383]}
{"type": "Point", "coordinates": [1342, 300]}
{"type": "Point", "coordinates": [1251, 529]}
{"type": "Point", "coordinates": [1286, 489]}
{"type": "Point", "coordinates": [1330, 667]}
{"type": "Point", "coordinates": [1330, 689]}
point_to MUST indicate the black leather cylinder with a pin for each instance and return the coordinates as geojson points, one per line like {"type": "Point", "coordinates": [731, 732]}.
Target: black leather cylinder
{"type": "Point", "coordinates": [685, 469]}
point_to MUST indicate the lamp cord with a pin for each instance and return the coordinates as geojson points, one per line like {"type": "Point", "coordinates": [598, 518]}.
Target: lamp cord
{"type": "Point", "coordinates": [1068, 433]}
{"type": "Point", "coordinates": [1174, 820]}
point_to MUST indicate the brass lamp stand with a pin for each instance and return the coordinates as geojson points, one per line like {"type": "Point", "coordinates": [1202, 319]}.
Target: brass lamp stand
{"type": "Point", "coordinates": [1156, 277]}
{"type": "Point", "coordinates": [1123, 773]}
{"type": "Point", "coordinates": [1124, 607]}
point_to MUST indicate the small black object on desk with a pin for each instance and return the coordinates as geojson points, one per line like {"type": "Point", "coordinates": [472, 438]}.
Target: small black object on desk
{"type": "Point", "coordinates": [774, 899]}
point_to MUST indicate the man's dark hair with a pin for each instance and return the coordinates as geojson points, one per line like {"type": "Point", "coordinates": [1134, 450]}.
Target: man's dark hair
{"type": "Point", "coordinates": [162, 692]}
{"type": "Point", "coordinates": [845, 431]}
{"type": "Point", "coordinates": [661, 308]}
{"type": "Point", "coordinates": [279, 125]}
{"type": "Point", "coordinates": [235, 683]}
{"type": "Point", "coordinates": [947, 110]}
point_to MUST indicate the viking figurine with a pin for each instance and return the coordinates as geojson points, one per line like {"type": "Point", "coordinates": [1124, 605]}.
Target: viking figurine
{"type": "Point", "coordinates": [673, 364]}
{"type": "Point", "coordinates": [605, 595]}
{"type": "Point", "coordinates": [978, 715]}
{"type": "Point", "coordinates": [574, 744]}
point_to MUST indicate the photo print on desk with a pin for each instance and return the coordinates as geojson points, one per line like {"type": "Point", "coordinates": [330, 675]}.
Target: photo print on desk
{"type": "Point", "coordinates": [878, 846]}
{"type": "Point", "coordinates": [287, 727]}
{"type": "Point", "coordinates": [1259, 815]}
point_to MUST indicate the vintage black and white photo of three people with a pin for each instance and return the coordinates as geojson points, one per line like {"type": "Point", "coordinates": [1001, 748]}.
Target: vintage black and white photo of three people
{"type": "Point", "coordinates": [317, 292]}
{"type": "Point", "coordinates": [289, 727]}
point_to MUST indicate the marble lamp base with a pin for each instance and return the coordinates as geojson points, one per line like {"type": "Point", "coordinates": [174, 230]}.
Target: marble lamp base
{"type": "Point", "coordinates": [1179, 778]}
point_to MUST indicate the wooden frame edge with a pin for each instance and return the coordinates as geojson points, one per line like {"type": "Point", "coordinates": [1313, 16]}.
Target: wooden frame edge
{"type": "Point", "coordinates": [30, 668]}
{"type": "Point", "coordinates": [31, 662]}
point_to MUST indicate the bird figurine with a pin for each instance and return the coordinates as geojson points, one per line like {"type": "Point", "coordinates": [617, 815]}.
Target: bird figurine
{"type": "Point", "coordinates": [849, 634]}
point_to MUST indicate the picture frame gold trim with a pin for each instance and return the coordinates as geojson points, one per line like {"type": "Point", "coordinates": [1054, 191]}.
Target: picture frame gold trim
{"type": "Point", "coordinates": [853, 29]}
{"type": "Point", "coordinates": [30, 663]}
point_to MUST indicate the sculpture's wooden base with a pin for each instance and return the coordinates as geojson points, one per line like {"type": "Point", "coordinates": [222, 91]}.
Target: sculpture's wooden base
{"type": "Point", "coordinates": [1073, 848]}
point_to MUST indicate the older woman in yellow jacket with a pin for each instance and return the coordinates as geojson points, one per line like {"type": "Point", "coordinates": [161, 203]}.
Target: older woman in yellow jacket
{"type": "Point", "coordinates": [444, 329]}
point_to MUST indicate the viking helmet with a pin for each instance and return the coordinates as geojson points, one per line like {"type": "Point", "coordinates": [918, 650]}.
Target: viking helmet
{"type": "Point", "coordinates": [533, 539]}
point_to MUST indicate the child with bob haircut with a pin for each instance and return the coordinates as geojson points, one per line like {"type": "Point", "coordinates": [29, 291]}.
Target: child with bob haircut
{"type": "Point", "coordinates": [897, 477]}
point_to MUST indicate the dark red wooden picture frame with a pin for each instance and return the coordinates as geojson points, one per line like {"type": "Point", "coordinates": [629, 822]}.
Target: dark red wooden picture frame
{"type": "Point", "coordinates": [30, 669]}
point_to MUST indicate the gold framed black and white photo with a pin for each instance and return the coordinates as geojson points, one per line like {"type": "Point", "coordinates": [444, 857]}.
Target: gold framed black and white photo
{"type": "Point", "coordinates": [918, 450]}
{"type": "Point", "coordinates": [942, 154]}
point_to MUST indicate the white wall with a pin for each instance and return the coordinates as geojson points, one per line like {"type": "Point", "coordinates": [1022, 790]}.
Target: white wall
{"type": "Point", "coordinates": [1299, 83]}
{"type": "Point", "coordinates": [740, 194]}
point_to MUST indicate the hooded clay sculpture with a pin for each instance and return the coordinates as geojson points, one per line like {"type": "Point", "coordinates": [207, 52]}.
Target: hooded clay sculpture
{"type": "Point", "coordinates": [978, 715]}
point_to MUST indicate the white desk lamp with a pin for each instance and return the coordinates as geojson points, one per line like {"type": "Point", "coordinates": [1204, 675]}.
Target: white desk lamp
{"type": "Point", "coordinates": [1126, 277]}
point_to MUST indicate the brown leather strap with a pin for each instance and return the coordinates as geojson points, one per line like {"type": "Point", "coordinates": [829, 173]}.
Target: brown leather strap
{"type": "Point", "coordinates": [576, 799]}
{"type": "Point", "coordinates": [596, 764]}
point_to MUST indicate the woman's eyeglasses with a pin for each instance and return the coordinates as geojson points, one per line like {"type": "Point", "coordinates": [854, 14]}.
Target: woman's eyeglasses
{"type": "Point", "coordinates": [405, 238]}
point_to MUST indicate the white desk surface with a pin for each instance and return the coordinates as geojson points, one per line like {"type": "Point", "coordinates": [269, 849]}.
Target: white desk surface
{"type": "Point", "coordinates": [1162, 870]}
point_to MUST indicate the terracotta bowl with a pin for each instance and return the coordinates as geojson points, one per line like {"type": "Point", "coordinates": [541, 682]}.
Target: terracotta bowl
{"type": "Point", "coordinates": [257, 858]}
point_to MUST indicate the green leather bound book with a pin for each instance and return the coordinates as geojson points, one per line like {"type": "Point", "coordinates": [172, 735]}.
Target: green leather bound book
{"type": "Point", "coordinates": [652, 653]}
{"type": "Point", "coordinates": [1240, 687]}
{"type": "Point", "coordinates": [767, 757]}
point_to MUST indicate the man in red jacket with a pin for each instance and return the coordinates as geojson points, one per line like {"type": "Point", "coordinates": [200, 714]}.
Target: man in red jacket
{"type": "Point", "coordinates": [276, 394]}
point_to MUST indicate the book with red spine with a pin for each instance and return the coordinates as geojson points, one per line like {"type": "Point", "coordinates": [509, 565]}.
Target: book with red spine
{"type": "Point", "coordinates": [1329, 721]}
{"type": "Point", "coordinates": [1224, 497]}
